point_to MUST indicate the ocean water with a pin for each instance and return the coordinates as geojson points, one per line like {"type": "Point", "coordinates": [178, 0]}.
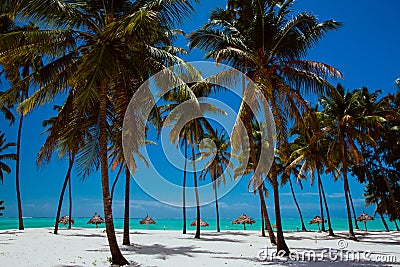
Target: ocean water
{"type": "Point", "coordinates": [289, 224]}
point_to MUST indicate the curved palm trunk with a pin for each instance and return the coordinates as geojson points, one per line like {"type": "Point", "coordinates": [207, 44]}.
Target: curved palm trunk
{"type": "Point", "coordinates": [260, 187]}
{"type": "Point", "coordinates": [384, 222]}
{"type": "Point", "coordinates": [117, 257]}
{"type": "Point", "coordinates": [184, 190]}
{"type": "Point", "coordinates": [352, 208]}
{"type": "Point", "coordinates": [125, 239]}
{"type": "Point", "coordinates": [17, 171]}
{"type": "Point", "coordinates": [197, 235]}
{"type": "Point", "coordinates": [216, 204]}
{"type": "Point", "coordinates": [303, 226]}
{"type": "Point", "coordinates": [115, 183]}
{"type": "Point", "coordinates": [281, 244]}
{"type": "Point", "coordinates": [268, 225]}
{"type": "Point", "coordinates": [320, 202]}
{"type": "Point", "coordinates": [262, 222]}
{"type": "Point", "coordinates": [330, 230]}
{"type": "Point", "coordinates": [60, 201]}
{"type": "Point", "coordinates": [346, 188]}
{"type": "Point", "coordinates": [70, 200]}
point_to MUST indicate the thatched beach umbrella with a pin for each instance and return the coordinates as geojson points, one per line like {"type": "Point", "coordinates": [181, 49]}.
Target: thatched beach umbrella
{"type": "Point", "coordinates": [147, 220]}
{"type": "Point", "coordinates": [364, 218]}
{"type": "Point", "coordinates": [317, 220]}
{"type": "Point", "coordinates": [65, 220]}
{"type": "Point", "coordinates": [96, 219]}
{"type": "Point", "coordinates": [203, 223]}
{"type": "Point", "coordinates": [243, 220]}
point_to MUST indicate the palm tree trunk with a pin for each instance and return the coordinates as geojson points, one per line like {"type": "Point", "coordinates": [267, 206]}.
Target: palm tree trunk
{"type": "Point", "coordinates": [216, 204]}
{"type": "Point", "coordinates": [266, 216]}
{"type": "Point", "coordinates": [262, 222]}
{"type": "Point", "coordinates": [281, 244]}
{"type": "Point", "coordinates": [260, 187]}
{"type": "Point", "coordinates": [196, 190]}
{"type": "Point", "coordinates": [330, 230]}
{"type": "Point", "coordinates": [320, 201]}
{"type": "Point", "coordinates": [60, 201]}
{"type": "Point", "coordinates": [115, 183]}
{"type": "Point", "coordinates": [17, 171]}
{"type": "Point", "coordinates": [303, 227]}
{"type": "Point", "coordinates": [117, 257]}
{"type": "Point", "coordinates": [125, 239]}
{"type": "Point", "coordinates": [184, 190]}
{"type": "Point", "coordinates": [346, 188]}
{"type": "Point", "coordinates": [384, 222]}
{"type": "Point", "coordinates": [70, 200]}
{"type": "Point", "coordinates": [392, 197]}
{"type": "Point", "coordinates": [352, 207]}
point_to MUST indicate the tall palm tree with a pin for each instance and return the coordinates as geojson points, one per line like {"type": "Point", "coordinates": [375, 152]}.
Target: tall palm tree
{"type": "Point", "coordinates": [309, 151]}
{"type": "Point", "coordinates": [283, 160]}
{"type": "Point", "coordinates": [268, 44]}
{"type": "Point", "coordinates": [174, 99]}
{"type": "Point", "coordinates": [84, 38]}
{"type": "Point", "coordinates": [187, 131]}
{"type": "Point", "coordinates": [4, 146]}
{"type": "Point", "coordinates": [342, 112]}
{"type": "Point", "coordinates": [67, 135]}
{"type": "Point", "coordinates": [16, 68]}
{"type": "Point", "coordinates": [216, 145]}
{"type": "Point", "coordinates": [247, 166]}
{"type": "Point", "coordinates": [194, 131]}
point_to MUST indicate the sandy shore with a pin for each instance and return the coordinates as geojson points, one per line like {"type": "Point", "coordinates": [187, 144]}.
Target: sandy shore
{"type": "Point", "coordinates": [88, 247]}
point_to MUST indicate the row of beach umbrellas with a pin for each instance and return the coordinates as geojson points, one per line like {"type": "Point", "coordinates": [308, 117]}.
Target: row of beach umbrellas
{"type": "Point", "coordinates": [96, 219]}
{"type": "Point", "coordinates": [243, 219]}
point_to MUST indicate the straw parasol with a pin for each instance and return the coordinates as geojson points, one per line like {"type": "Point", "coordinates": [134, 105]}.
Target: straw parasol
{"type": "Point", "coordinates": [147, 220]}
{"type": "Point", "coordinates": [96, 219]}
{"type": "Point", "coordinates": [364, 218]}
{"type": "Point", "coordinates": [65, 220]}
{"type": "Point", "coordinates": [317, 220]}
{"type": "Point", "coordinates": [243, 220]}
{"type": "Point", "coordinates": [203, 223]}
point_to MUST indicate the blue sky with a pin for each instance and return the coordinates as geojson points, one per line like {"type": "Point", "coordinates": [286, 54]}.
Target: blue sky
{"type": "Point", "coordinates": [365, 49]}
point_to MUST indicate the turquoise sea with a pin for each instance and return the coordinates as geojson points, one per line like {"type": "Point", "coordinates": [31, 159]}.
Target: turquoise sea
{"type": "Point", "coordinates": [289, 224]}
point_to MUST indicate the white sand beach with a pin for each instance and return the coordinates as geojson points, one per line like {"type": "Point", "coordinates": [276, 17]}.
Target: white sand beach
{"type": "Point", "coordinates": [88, 247]}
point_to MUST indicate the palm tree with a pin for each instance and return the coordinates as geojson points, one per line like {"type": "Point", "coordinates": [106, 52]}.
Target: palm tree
{"type": "Point", "coordinates": [376, 113]}
{"type": "Point", "coordinates": [283, 160]}
{"type": "Point", "coordinates": [107, 31]}
{"type": "Point", "coordinates": [67, 136]}
{"type": "Point", "coordinates": [174, 99]}
{"type": "Point", "coordinates": [11, 64]}
{"type": "Point", "coordinates": [343, 114]}
{"type": "Point", "coordinates": [260, 38]}
{"type": "Point", "coordinates": [247, 166]}
{"type": "Point", "coordinates": [4, 146]}
{"type": "Point", "coordinates": [187, 131]}
{"type": "Point", "coordinates": [192, 132]}
{"type": "Point", "coordinates": [309, 151]}
{"type": "Point", "coordinates": [216, 145]}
